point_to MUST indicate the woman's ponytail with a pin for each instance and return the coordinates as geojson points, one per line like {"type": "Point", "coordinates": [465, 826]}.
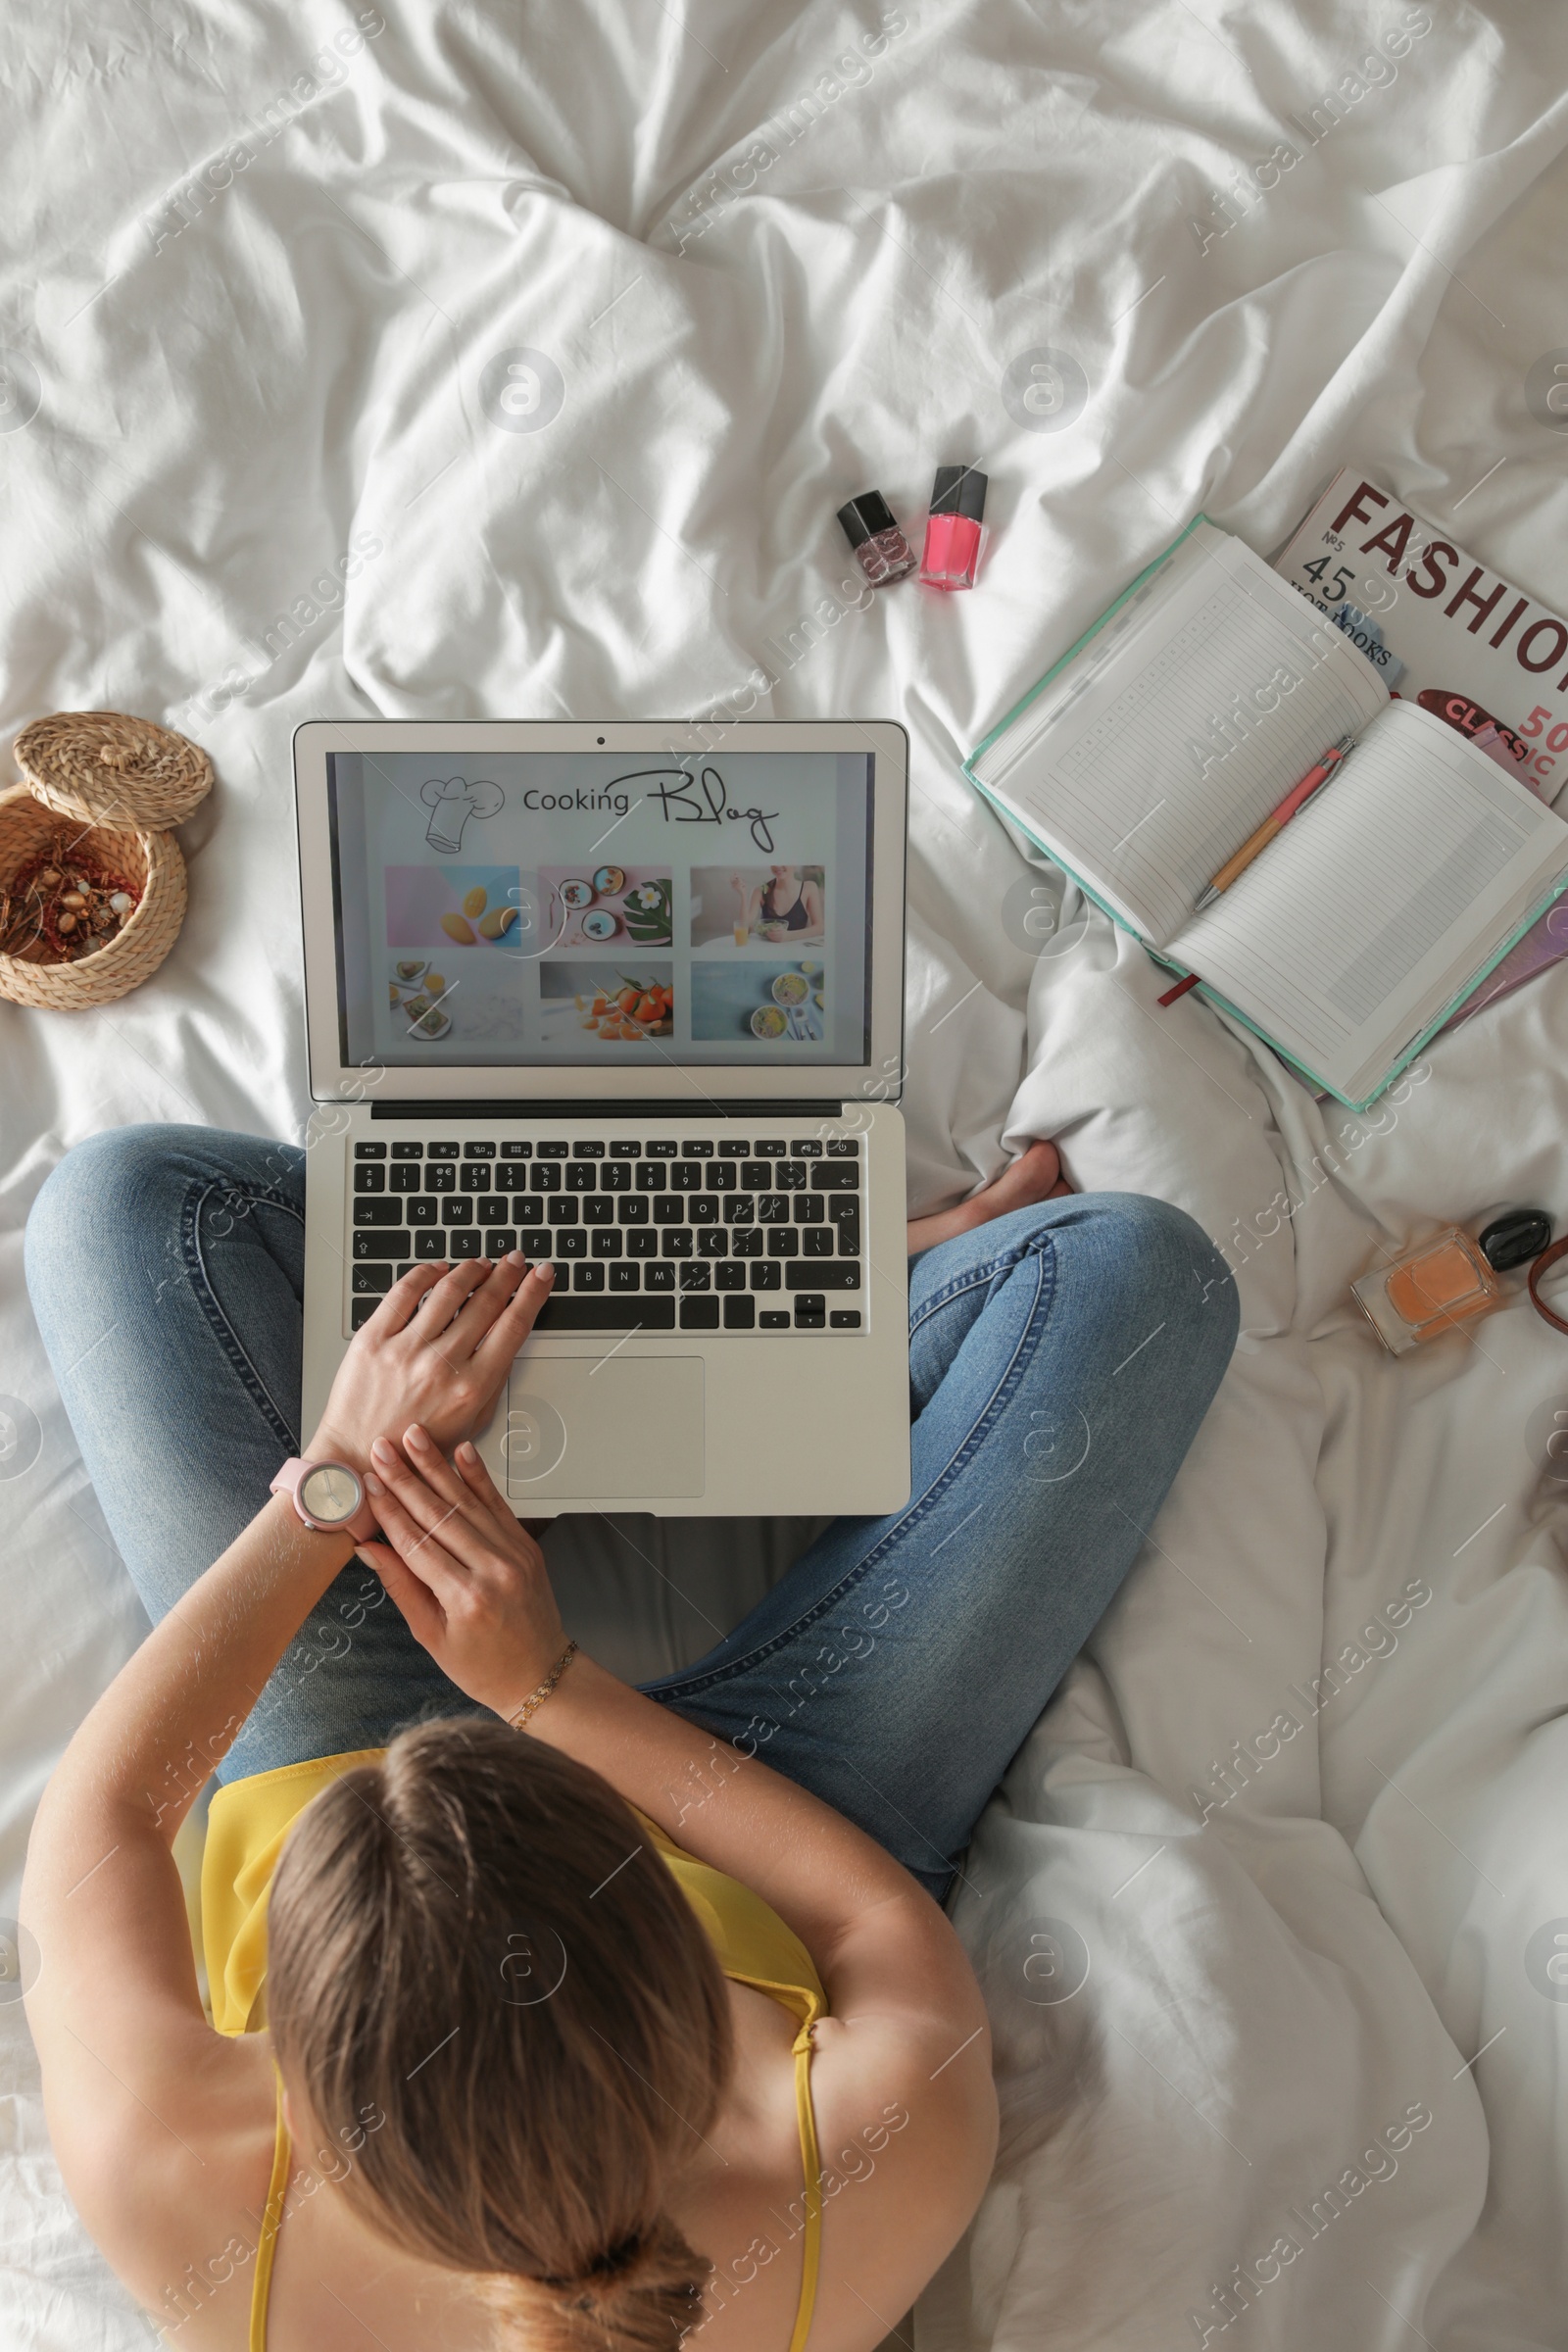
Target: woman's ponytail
{"type": "Point", "coordinates": [642, 2295]}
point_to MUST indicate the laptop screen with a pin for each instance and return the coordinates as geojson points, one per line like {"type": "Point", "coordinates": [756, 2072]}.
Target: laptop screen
{"type": "Point", "coordinates": [588, 908]}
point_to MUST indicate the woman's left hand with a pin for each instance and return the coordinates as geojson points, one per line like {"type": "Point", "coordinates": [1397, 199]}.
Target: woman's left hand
{"type": "Point", "coordinates": [467, 1577]}
{"type": "Point", "coordinates": [437, 1351]}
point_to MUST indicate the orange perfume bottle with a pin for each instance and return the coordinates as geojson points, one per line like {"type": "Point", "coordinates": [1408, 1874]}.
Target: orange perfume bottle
{"type": "Point", "coordinates": [1442, 1282]}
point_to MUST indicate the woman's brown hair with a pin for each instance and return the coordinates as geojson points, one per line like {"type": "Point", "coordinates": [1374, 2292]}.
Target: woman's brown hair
{"type": "Point", "coordinates": [474, 1936]}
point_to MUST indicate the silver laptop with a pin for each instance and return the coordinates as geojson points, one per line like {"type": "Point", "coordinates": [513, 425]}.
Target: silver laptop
{"type": "Point", "coordinates": [628, 997]}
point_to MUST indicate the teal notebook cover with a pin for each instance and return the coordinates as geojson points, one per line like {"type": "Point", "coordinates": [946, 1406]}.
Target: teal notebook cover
{"type": "Point", "coordinates": [1212, 996]}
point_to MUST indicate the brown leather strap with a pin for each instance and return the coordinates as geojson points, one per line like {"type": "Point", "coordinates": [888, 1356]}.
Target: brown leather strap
{"type": "Point", "coordinates": [1544, 1265]}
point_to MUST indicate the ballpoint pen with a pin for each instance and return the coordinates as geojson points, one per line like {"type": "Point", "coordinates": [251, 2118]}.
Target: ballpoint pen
{"type": "Point", "coordinates": [1297, 798]}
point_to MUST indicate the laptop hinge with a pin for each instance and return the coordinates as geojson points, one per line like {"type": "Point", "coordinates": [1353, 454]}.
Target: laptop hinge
{"type": "Point", "coordinates": [791, 1107]}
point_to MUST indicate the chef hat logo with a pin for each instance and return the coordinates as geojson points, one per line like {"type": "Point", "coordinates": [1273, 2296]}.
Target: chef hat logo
{"type": "Point", "coordinates": [452, 801]}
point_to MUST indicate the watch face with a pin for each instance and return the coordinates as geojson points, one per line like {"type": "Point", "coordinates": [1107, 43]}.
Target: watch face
{"type": "Point", "coordinates": [331, 1493]}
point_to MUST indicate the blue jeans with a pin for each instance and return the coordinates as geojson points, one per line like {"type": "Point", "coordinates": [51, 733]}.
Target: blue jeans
{"type": "Point", "coordinates": [1060, 1360]}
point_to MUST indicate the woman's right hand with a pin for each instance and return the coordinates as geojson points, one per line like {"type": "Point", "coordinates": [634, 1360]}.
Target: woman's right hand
{"type": "Point", "coordinates": [470, 1582]}
{"type": "Point", "coordinates": [437, 1351]}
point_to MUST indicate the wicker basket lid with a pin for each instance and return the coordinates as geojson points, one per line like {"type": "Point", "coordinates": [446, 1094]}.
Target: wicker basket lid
{"type": "Point", "coordinates": [101, 765]}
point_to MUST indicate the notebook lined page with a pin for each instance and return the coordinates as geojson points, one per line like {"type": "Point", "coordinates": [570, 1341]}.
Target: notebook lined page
{"type": "Point", "coordinates": [1153, 772]}
{"type": "Point", "coordinates": [1358, 925]}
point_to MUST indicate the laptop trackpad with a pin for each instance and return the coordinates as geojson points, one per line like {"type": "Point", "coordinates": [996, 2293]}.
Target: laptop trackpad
{"type": "Point", "coordinates": [602, 1425]}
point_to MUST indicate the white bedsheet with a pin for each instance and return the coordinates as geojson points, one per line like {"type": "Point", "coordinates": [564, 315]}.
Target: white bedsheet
{"type": "Point", "coordinates": [775, 256]}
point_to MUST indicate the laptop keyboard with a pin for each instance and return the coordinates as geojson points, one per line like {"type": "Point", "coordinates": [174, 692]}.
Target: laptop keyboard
{"type": "Point", "coordinates": [654, 1233]}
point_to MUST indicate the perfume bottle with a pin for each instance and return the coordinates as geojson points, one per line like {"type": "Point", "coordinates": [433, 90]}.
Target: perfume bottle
{"type": "Point", "coordinates": [1442, 1282]}
{"type": "Point", "coordinates": [952, 533]}
{"type": "Point", "coordinates": [871, 528]}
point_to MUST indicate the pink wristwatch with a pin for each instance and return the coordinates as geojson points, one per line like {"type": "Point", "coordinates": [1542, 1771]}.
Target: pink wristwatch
{"type": "Point", "coordinates": [327, 1496]}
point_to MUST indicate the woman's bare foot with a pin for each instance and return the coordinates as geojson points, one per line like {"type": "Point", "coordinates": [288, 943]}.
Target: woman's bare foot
{"type": "Point", "coordinates": [1036, 1175]}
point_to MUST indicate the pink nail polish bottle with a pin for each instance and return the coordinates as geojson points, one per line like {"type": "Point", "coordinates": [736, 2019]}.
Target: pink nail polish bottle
{"type": "Point", "coordinates": [952, 533]}
{"type": "Point", "coordinates": [872, 530]}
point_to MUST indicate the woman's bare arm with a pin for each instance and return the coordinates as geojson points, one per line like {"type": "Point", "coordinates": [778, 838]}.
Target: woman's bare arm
{"type": "Point", "coordinates": [114, 2010]}
{"type": "Point", "coordinates": [138, 2089]}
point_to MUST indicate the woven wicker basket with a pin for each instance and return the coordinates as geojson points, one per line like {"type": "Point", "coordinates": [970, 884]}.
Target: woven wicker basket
{"type": "Point", "coordinates": [115, 784]}
{"type": "Point", "coordinates": [101, 764]}
{"type": "Point", "coordinates": [151, 859]}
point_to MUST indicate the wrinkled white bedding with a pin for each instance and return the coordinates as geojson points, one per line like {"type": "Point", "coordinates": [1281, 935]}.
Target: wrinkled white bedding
{"type": "Point", "coordinates": [773, 257]}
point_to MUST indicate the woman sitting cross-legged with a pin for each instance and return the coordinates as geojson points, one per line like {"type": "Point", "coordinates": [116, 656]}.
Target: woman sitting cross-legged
{"type": "Point", "coordinates": [547, 2012]}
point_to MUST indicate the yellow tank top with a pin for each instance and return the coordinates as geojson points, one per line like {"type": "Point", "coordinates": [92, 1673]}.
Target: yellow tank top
{"type": "Point", "coordinates": [245, 1832]}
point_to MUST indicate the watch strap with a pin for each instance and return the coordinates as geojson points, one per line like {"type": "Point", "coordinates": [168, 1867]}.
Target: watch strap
{"type": "Point", "coordinates": [288, 1481]}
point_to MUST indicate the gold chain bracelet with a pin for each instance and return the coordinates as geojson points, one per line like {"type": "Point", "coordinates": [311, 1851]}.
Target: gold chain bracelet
{"type": "Point", "coordinates": [536, 1699]}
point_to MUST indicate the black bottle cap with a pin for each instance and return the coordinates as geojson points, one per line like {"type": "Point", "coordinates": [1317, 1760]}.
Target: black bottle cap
{"type": "Point", "coordinates": [1511, 1239]}
{"type": "Point", "coordinates": [866, 517]}
{"type": "Point", "coordinates": [959, 490]}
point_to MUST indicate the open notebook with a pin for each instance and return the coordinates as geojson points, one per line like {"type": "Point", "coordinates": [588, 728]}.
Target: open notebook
{"type": "Point", "coordinates": [1160, 742]}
